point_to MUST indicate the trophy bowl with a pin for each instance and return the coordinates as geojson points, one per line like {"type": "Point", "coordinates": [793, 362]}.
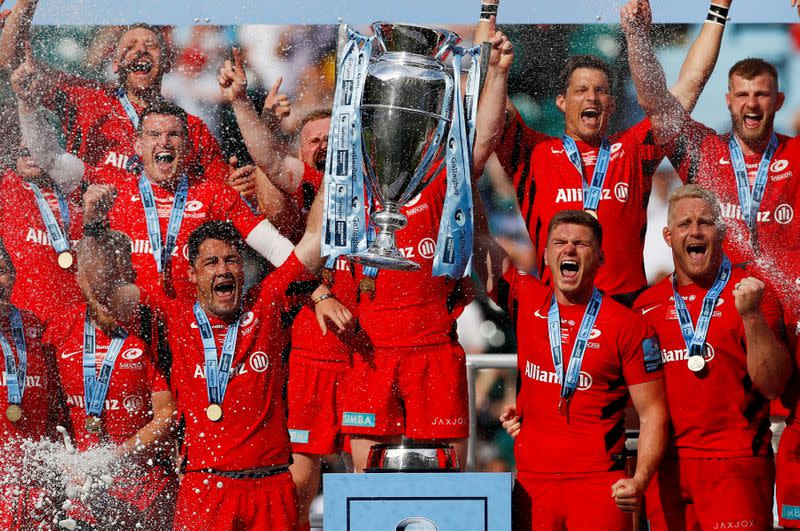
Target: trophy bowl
{"type": "Point", "coordinates": [412, 457]}
{"type": "Point", "coordinates": [405, 117]}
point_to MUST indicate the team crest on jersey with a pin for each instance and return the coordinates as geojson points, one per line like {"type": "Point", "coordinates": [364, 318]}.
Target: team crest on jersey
{"type": "Point", "coordinates": [778, 166]}
{"type": "Point", "coordinates": [259, 361]}
{"type": "Point", "coordinates": [193, 206]}
{"type": "Point", "coordinates": [616, 147]}
{"type": "Point", "coordinates": [246, 319]}
{"type": "Point", "coordinates": [131, 354]}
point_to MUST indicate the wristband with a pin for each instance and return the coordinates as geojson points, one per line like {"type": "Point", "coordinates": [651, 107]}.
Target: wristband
{"type": "Point", "coordinates": [96, 229]}
{"type": "Point", "coordinates": [322, 298]}
{"type": "Point", "coordinates": [717, 14]}
{"type": "Point", "coordinates": [488, 10]}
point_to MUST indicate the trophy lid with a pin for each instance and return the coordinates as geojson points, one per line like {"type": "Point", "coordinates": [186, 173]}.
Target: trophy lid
{"type": "Point", "coordinates": [421, 40]}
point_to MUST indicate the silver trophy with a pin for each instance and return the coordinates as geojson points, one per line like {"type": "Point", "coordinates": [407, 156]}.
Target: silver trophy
{"type": "Point", "coordinates": [405, 119]}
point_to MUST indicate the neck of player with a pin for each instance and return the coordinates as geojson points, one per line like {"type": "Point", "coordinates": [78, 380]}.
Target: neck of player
{"type": "Point", "coordinates": [704, 279]}
{"type": "Point", "coordinates": [580, 296]}
{"type": "Point", "coordinates": [593, 141]}
{"type": "Point", "coordinates": [756, 146]}
{"type": "Point", "coordinates": [226, 317]}
{"type": "Point", "coordinates": [5, 314]}
{"type": "Point", "coordinates": [143, 97]}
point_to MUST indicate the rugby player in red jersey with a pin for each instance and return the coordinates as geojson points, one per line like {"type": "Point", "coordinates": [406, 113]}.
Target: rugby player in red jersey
{"type": "Point", "coordinates": [128, 407]}
{"type": "Point", "coordinates": [787, 463]}
{"type": "Point", "coordinates": [168, 201]}
{"type": "Point", "coordinates": [569, 414]}
{"type": "Point", "coordinates": [723, 360]}
{"type": "Point", "coordinates": [237, 448]}
{"type": "Point", "coordinates": [28, 401]}
{"type": "Point", "coordinates": [553, 173]}
{"type": "Point", "coordinates": [42, 253]}
{"type": "Point", "coordinates": [751, 169]}
{"type": "Point", "coordinates": [99, 120]}
{"type": "Point", "coordinates": [318, 359]}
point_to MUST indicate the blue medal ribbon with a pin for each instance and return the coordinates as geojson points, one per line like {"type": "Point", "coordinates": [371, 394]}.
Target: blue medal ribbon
{"type": "Point", "coordinates": [750, 200]}
{"type": "Point", "coordinates": [217, 370]}
{"type": "Point", "coordinates": [695, 337]}
{"type": "Point", "coordinates": [569, 382]}
{"type": "Point", "coordinates": [95, 386]}
{"type": "Point", "coordinates": [344, 227]}
{"type": "Point", "coordinates": [594, 190]}
{"type": "Point", "coordinates": [15, 372]}
{"type": "Point", "coordinates": [127, 106]}
{"type": "Point", "coordinates": [58, 239]}
{"type": "Point", "coordinates": [454, 242]}
{"type": "Point", "coordinates": [162, 254]}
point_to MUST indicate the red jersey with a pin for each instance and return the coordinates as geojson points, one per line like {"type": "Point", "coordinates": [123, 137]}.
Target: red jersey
{"type": "Point", "coordinates": [41, 286]}
{"type": "Point", "coordinates": [703, 157]}
{"type": "Point", "coordinates": [410, 308]}
{"type": "Point", "coordinates": [127, 407]}
{"type": "Point", "coordinates": [98, 130]}
{"type": "Point", "coordinates": [619, 354]}
{"type": "Point", "coordinates": [718, 415]}
{"type": "Point", "coordinates": [547, 183]}
{"type": "Point", "coordinates": [206, 200]}
{"type": "Point", "coordinates": [252, 432]}
{"type": "Point", "coordinates": [307, 338]}
{"type": "Point", "coordinates": [41, 385]}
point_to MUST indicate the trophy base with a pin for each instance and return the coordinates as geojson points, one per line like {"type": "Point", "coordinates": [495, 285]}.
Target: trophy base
{"type": "Point", "coordinates": [395, 263]}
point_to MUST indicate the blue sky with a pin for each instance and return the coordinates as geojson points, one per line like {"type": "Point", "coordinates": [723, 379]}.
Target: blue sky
{"type": "Point", "coordinates": [364, 11]}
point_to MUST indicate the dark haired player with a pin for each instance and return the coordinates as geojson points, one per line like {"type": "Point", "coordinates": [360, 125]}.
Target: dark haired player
{"type": "Point", "coordinates": [227, 372]}
{"type": "Point", "coordinates": [582, 357]}
{"type": "Point", "coordinates": [588, 168]}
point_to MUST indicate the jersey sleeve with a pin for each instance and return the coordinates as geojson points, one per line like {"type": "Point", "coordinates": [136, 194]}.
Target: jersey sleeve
{"type": "Point", "coordinates": [640, 351]}
{"type": "Point", "coordinates": [288, 286]}
{"type": "Point", "coordinates": [650, 153]}
{"type": "Point", "coordinates": [208, 153]}
{"type": "Point", "coordinates": [158, 382]}
{"type": "Point", "coordinates": [229, 205]}
{"type": "Point", "coordinates": [685, 150]}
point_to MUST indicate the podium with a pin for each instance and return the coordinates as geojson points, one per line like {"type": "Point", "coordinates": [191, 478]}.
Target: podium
{"type": "Point", "coordinates": [413, 501]}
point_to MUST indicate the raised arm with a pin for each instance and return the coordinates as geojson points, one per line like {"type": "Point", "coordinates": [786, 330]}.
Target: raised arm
{"type": "Point", "coordinates": [490, 121]}
{"type": "Point", "coordinates": [104, 258]}
{"type": "Point", "coordinates": [65, 169]}
{"type": "Point", "coordinates": [768, 362]}
{"type": "Point", "coordinates": [664, 110]}
{"type": "Point", "coordinates": [269, 154]}
{"type": "Point", "coordinates": [16, 31]}
{"type": "Point", "coordinates": [701, 58]}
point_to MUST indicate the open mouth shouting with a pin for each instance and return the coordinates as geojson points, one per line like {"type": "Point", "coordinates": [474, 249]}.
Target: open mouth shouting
{"type": "Point", "coordinates": [164, 160]}
{"type": "Point", "coordinates": [752, 120]}
{"type": "Point", "coordinates": [590, 117]}
{"type": "Point", "coordinates": [141, 64]}
{"type": "Point", "coordinates": [696, 252]}
{"type": "Point", "coordinates": [569, 269]}
{"type": "Point", "coordinates": [224, 289]}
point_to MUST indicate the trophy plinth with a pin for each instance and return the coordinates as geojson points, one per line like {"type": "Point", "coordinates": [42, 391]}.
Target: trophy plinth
{"type": "Point", "coordinates": [383, 253]}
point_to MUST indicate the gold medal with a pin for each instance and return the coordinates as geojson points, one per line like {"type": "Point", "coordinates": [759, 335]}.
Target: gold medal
{"type": "Point", "coordinates": [65, 260]}
{"type": "Point", "coordinates": [93, 424]}
{"type": "Point", "coordinates": [214, 413]}
{"type": "Point", "coordinates": [367, 285]}
{"type": "Point", "coordinates": [14, 412]}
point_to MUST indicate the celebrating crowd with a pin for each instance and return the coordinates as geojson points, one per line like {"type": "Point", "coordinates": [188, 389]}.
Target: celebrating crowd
{"type": "Point", "coordinates": [168, 306]}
